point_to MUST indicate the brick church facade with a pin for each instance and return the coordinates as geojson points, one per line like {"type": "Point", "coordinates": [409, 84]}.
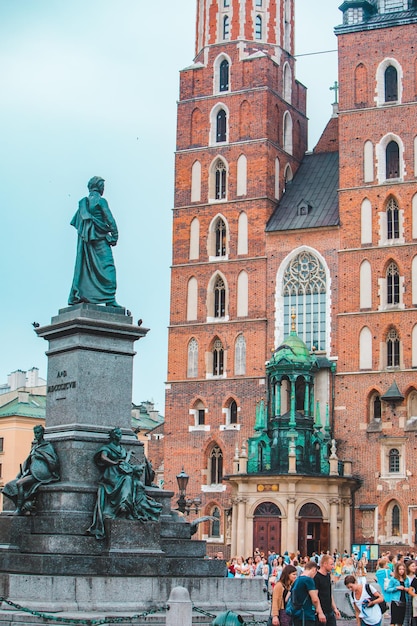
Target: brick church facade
{"type": "Point", "coordinates": [273, 243]}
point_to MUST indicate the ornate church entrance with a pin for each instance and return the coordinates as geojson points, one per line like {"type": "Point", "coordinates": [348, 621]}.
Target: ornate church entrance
{"type": "Point", "coordinates": [313, 533]}
{"type": "Point", "coordinates": [267, 527]}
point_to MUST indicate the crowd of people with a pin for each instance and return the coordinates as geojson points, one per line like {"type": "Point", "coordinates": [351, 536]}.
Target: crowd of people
{"type": "Point", "coordinates": [301, 588]}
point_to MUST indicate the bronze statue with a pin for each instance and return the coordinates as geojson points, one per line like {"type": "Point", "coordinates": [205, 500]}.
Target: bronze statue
{"type": "Point", "coordinates": [94, 273]}
{"type": "Point", "coordinates": [40, 468]}
{"type": "Point", "coordinates": [121, 492]}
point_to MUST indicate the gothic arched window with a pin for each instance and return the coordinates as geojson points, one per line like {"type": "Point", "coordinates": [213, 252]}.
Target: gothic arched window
{"type": "Point", "coordinates": [393, 284]}
{"type": "Point", "coordinates": [215, 523]}
{"type": "Point", "coordinates": [219, 298]}
{"type": "Point", "coordinates": [393, 219]}
{"type": "Point", "coordinates": [391, 84]}
{"type": "Point", "coordinates": [304, 289]}
{"type": "Point", "coordinates": [224, 75]}
{"type": "Point", "coordinates": [393, 348]}
{"type": "Point", "coordinates": [233, 412]}
{"type": "Point", "coordinates": [216, 466]}
{"type": "Point", "coordinates": [221, 126]}
{"type": "Point", "coordinates": [392, 160]}
{"type": "Point", "coordinates": [218, 358]}
{"type": "Point", "coordinates": [258, 27]}
{"type": "Point", "coordinates": [221, 234]}
{"type": "Point", "coordinates": [395, 521]}
{"type": "Point", "coordinates": [226, 27]}
{"type": "Point", "coordinates": [220, 175]}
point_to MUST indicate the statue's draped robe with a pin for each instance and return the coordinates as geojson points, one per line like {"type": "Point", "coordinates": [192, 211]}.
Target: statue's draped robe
{"type": "Point", "coordinates": [121, 492]}
{"type": "Point", "coordinates": [42, 464]}
{"type": "Point", "coordinates": [94, 274]}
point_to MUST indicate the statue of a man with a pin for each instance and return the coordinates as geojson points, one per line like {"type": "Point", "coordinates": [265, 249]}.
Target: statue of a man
{"type": "Point", "coordinates": [40, 468]}
{"type": "Point", "coordinates": [94, 273]}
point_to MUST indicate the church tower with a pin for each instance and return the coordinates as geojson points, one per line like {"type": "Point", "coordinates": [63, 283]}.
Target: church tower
{"type": "Point", "coordinates": [241, 135]}
{"type": "Point", "coordinates": [376, 385]}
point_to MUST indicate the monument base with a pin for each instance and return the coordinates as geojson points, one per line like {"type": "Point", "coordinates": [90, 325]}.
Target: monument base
{"type": "Point", "coordinates": [133, 594]}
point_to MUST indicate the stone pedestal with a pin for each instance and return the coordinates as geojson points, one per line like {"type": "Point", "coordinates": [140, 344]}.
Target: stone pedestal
{"type": "Point", "coordinates": [89, 392]}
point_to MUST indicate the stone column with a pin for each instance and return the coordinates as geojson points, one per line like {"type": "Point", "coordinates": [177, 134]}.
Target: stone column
{"type": "Point", "coordinates": [278, 398]}
{"type": "Point", "coordinates": [334, 503]}
{"type": "Point", "coordinates": [347, 503]}
{"type": "Point", "coordinates": [233, 546]}
{"type": "Point", "coordinates": [241, 523]}
{"type": "Point", "coordinates": [292, 526]}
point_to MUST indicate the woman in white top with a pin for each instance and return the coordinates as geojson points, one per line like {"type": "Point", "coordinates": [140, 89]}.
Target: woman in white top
{"type": "Point", "coordinates": [367, 610]}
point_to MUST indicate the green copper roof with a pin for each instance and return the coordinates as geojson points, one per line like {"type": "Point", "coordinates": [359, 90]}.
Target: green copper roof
{"type": "Point", "coordinates": [293, 351]}
{"type": "Point", "coordinates": [32, 406]}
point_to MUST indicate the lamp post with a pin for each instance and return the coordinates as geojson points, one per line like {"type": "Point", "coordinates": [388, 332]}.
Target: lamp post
{"type": "Point", "coordinates": [182, 480]}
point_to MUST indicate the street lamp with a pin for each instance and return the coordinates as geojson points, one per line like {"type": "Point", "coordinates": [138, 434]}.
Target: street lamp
{"type": "Point", "coordinates": [182, 480]}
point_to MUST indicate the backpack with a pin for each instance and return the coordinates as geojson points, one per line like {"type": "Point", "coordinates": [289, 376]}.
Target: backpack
{"type": "Point", "coordinates": [382, 605]}
{"type": "Point", "coordinates": [292, 608]}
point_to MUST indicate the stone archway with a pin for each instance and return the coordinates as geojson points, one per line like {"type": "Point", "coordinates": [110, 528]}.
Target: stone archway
{"type": "Point", "coordinates": [267, 527]}
{"type": "Point", "coordinates": [313, 533]}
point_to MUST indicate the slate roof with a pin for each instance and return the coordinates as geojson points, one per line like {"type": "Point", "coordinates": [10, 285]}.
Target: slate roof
{"type": "Point", "coordinates": [315, 184]}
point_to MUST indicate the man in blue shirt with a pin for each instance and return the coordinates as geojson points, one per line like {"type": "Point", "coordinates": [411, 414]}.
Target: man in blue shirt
{"type": "Point", "coordinates": [305, 598]}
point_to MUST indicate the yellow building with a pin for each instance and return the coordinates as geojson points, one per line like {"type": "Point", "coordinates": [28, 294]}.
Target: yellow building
{"type": "Point", "coordinates": [20, 410]}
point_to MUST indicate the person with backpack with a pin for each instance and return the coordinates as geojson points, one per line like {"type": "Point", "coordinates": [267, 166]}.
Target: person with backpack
{"type": "Point", "coordinates": [366, 600]}
{"type": "Point", "coordinates": [304, 605]}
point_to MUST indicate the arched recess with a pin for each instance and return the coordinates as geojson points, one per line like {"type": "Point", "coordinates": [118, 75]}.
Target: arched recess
{"type": "Point", "coordinates": [361, 85]}
{"type": "Point", "coordinates": [374, 406]}
{"type": "Point", "coordinates": [368, 162]}
{"type": "Point", "coordinates": [414, 347]}
{"type": "Point", "coordinates": [242, 294]}
{"type": "Point", "coordinates": [196, 182]}
{"type": "Point", "coordinates": [287, 83]}
{"type": "Point", "coordinates": [242, 175]}
{"type": "Point", "coordinates": [196, 127]}
{"type": "Point", "coordinates": [194, 239]}
{"type": "Point", "coordinates": [415, 156]}
{"type": "Point", "coordinates": [242, 233]}
{"type": "Point", "coordinates": [245, 120]}
{"type": "Point", "coordinates": [287, 132]}
{"type": "Point", "coordinates": [412, 404]}
{"type": "Point", "coordinates": [192, 358]}
{"type": "Point", "coordinates": [365, 285]}
{"type": "Point", "coordinates": [277, 174]}
{"type": "Point", "coordinates": [313, 533]}
{"type": "Point", "coordinates": [192, 299]}
{"type": "Point", "coordinates": [240, 355]}
{"type": "Point", "coordinates": [365, 349]}
{"type": "Point", "coordinates": [414, 211]}
{"type": "Point", "coordinates": [393, 522]}
{"type": "Point", "coordinates": [267, 527]}
{"type": "Point", "coordinates": [366, 222]}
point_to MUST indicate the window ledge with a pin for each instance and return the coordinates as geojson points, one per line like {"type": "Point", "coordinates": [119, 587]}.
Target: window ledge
{"type": "Point", "coordinates": [215, 320]}
{"type": "Point", "coordinates": [213, 539]}
{"type": "Point", "coordinates": [230, 427]}
{"type": "Point", "coordinates": [213, 488]}
{"type": "Point", "coordinates": [199, 428]}
{"type": "Point", "coordinates": [393, 476]}
{"type": "Point", "coordinates": [223, 257]}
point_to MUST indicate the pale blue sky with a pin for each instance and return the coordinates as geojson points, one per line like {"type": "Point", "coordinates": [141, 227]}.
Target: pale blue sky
{"type": "Point", "coordinates": [89, 87]}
